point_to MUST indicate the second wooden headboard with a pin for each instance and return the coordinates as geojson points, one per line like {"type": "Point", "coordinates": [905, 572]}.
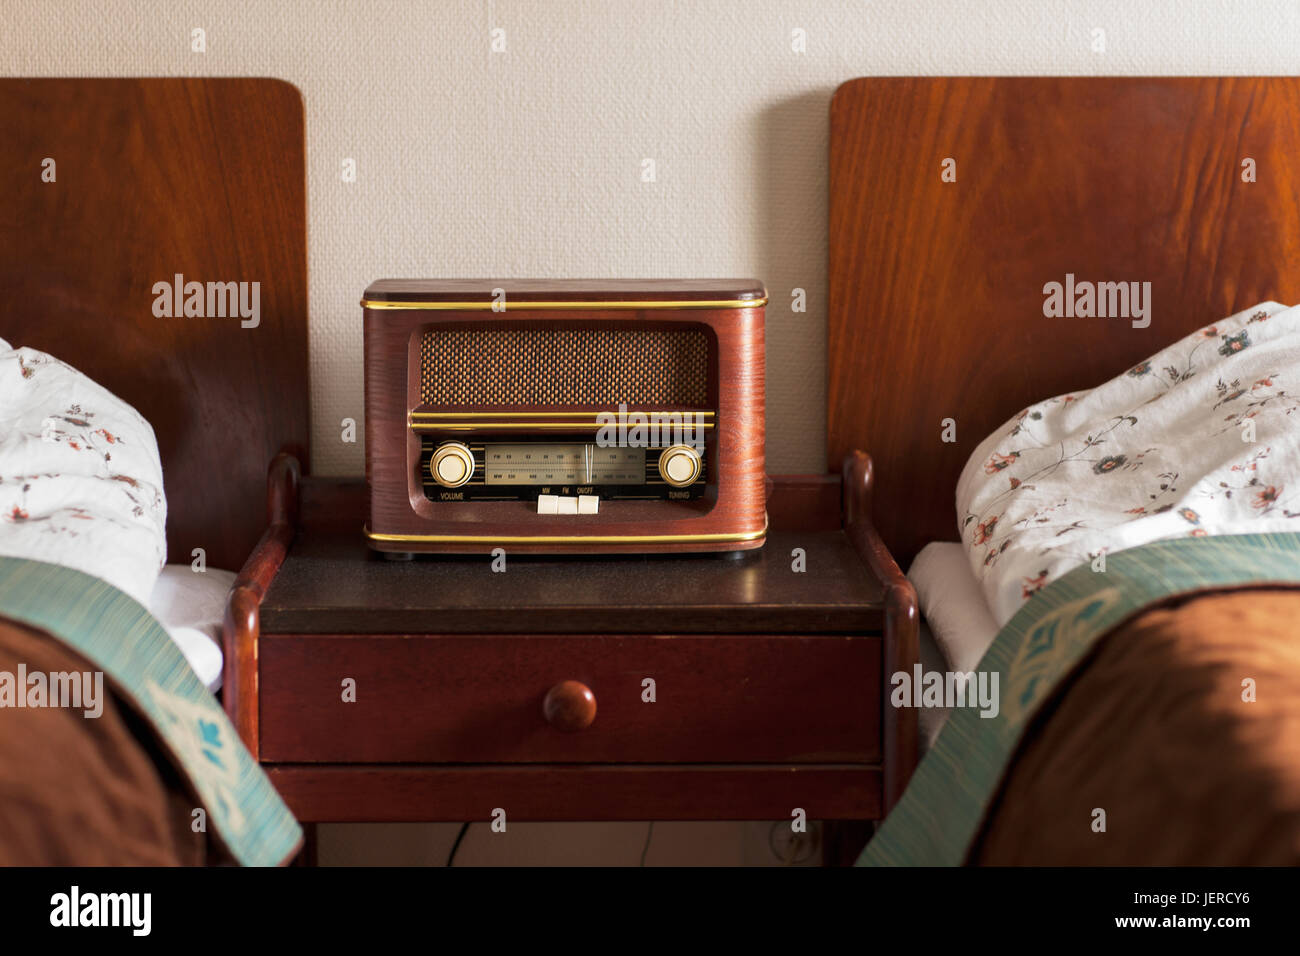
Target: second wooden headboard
{"type": "Point", "coordinates": [114, 185]}
{"type": "Point", "coordinates": [954, 201]}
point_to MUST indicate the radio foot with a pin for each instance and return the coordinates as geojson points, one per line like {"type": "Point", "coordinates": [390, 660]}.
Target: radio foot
{"type": "Point", "coordinates": [398, 555]}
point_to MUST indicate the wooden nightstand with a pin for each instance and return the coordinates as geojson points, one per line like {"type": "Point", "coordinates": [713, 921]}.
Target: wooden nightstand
{"type": "Point", "coordinates": [529, 689]}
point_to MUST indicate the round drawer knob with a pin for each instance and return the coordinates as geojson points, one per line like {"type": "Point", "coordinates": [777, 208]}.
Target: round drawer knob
{"type": "Point", "coordinates": [679, 465]}
{"type": "Point", "coordinates": [452, 464]}
{"type": "Point", "coordinates": [569, 705]}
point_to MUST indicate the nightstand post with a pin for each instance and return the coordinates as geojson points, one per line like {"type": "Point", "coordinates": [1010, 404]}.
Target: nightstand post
{"type": "Point", "coordinates": [241, 625]}
{"type": "Point", "coordinates": [902, 621]}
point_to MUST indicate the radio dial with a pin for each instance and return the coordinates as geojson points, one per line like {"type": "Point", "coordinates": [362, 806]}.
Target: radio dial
{"type": "Point", "coordinates": [452, 464]}
{"type": "Point", "coordinates": [679, 465]}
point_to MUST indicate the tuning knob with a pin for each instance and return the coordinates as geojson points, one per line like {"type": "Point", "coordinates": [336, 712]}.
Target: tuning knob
{"type": "Point", "coordinates": [569, 705]}
{"type": "Point", "coordinates": [452, 464]}
{"type": "Point", "coordinates": [679, 465]}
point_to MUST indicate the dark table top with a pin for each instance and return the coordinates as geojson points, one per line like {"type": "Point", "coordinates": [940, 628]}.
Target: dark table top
{"type": "Point", "coordinates": [332, 583]}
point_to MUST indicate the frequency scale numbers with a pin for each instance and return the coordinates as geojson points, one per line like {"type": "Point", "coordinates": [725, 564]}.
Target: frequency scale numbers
{"type": "Point", "coordinates": [562, 464]}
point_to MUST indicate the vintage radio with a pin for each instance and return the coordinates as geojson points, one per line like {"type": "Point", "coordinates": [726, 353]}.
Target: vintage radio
{"type": "Point", "coordinates": [564, 416]}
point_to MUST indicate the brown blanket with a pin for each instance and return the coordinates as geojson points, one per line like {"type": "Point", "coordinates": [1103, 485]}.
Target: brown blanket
{"type": "Point", "coordinates": [85, 791]}
{"type": "Point", "coordinates": [1154, 731]}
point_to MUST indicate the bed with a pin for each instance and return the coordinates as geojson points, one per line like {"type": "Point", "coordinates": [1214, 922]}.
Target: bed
{"type": "Point", "coordinates": [124, 191]}
{"type": "Point", "coordinates": [1134, 725]}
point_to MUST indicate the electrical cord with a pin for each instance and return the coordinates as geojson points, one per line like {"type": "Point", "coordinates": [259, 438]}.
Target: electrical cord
{"type": "Point", "coordinates": [648, 834]}
{"type": "Point", "coordinates": [451, 857]}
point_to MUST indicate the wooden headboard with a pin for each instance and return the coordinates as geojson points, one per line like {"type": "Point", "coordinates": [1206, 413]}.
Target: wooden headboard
{"type": "Point", "coordinates": [152, 178]}
{"type": "Point", "coordinates": [937, 287]}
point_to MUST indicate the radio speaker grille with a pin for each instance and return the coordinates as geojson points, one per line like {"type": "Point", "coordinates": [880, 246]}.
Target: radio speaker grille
{"type": "Point", "coordinates": [543, 366]}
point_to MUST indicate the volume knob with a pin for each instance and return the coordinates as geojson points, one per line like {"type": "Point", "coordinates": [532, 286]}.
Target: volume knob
{"type": "Point", "coordinates": [679, 465]}
{"type": "Point", "coordinates": [452, 464]}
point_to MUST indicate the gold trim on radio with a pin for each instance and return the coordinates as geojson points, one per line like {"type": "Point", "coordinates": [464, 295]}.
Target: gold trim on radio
{"type": "Point", "coordinates": [467, 421]}
{"type": "Point", "coordinates": [637, 411]}
{"type": "Point", "coordinates": [527, 306]}
{"type": "Point", "coordinates": [571, 539]}
{"type": "Point", "coordinates": [527, 426]}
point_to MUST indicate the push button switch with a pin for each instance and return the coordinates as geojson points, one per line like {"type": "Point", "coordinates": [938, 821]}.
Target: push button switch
{"type": "Point", "coordinates": [568, 505]}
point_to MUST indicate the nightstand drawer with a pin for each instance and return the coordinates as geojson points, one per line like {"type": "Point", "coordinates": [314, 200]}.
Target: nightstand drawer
{"type": "Point", "coordinates": [479, 698]}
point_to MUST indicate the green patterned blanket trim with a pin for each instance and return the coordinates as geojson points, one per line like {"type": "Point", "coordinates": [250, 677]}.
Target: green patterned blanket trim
{"type": "Point", "coordinates": [120, 637]}
{"type": "Point", "coordinates": [943, 807]}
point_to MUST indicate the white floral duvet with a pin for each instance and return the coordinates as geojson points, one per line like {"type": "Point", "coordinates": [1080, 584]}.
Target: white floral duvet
{"type": "Point", "coordinates": [80, 478]}
{"type": "Point", "coordinates": [1200, 439]}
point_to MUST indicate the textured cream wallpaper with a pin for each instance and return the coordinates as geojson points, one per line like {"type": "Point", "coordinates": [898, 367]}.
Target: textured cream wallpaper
{"type": "Point", "coordinates": [528, 162]}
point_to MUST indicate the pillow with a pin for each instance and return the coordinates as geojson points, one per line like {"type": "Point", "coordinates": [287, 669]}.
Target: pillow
{"type": "Point", "coordinates": [1202, 438]}
{"type": "Point", "coordinates": [190, 605]}
{"type": "Point", "coordinates": [953, 604]}
{"type": "Point", "coordinates": [80, 478]}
